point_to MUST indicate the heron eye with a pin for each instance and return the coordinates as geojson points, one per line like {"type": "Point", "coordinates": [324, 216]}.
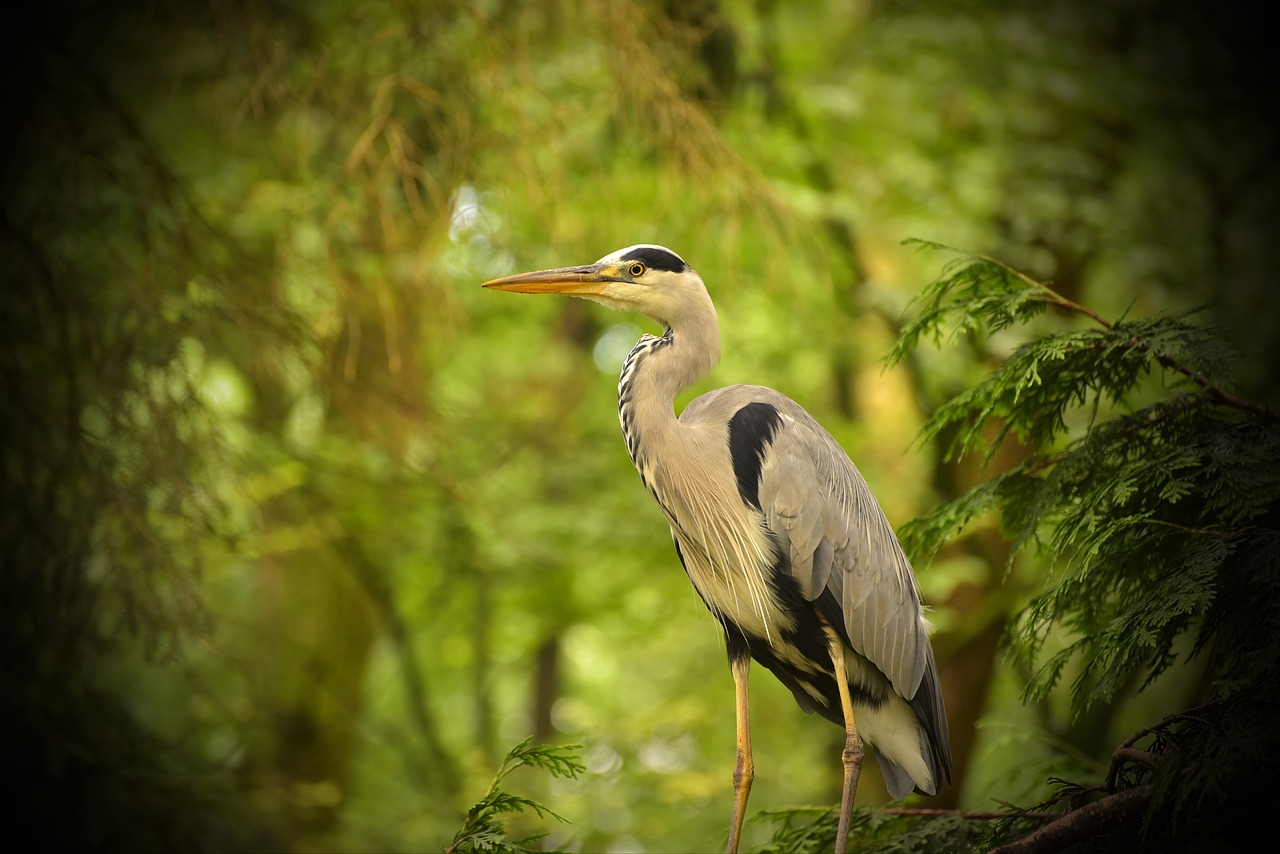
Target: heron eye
{"type": "Point", "coordinates": [636, 270]}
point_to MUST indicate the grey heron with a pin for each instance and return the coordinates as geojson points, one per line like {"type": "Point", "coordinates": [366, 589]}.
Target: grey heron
{"type": "Point", "coordinates": [776, 529]}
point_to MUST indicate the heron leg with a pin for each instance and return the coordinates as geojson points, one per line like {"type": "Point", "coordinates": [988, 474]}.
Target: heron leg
{"type": "Point", "coordinates": [852, 755]}
{"type": "Point", "coordinates": [744, 769]}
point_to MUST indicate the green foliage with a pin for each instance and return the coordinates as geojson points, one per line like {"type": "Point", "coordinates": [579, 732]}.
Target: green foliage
{"type": "Point", "coordinates": [1159, 510]}
{"type": "Point", "coordinates": [483, 830]}
{"type": "Point", "coordinates": [971, 289]}
{"type": "Point", "coordinates": [813, 829]}
{"type": "Point", "coordinates": [1144, 509]}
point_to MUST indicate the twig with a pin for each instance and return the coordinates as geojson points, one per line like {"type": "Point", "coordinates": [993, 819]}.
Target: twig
{"type": "Point", "coordinates": [1125, 749]}
{"type": "Point", "coordinates": [1188, 714]}
{"type": "Point", "coordinates": [1130, 754]}
{"type": "Point", "coordinates": [1206, 532]}
{"type": "Point", "coordinates": [1226, 398]}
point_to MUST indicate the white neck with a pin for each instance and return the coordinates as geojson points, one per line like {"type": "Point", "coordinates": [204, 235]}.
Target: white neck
{"type": "Point", "coordinates": [658, 369]}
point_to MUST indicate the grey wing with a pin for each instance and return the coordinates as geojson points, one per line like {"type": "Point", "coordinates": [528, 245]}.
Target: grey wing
{"type": "Point", "coordinates": [828, 522]}
{"type": "Point", "coordinates": [843, 553]}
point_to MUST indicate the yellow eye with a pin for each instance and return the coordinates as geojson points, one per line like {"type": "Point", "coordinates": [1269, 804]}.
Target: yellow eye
{"type": "Point", "coordinates": [636, 270]}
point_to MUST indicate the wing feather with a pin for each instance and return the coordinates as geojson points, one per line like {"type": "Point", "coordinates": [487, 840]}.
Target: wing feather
{"type": "Point", "coordinates": [844, 554]}
{"type": "Point", "coordinates": [816, 502]}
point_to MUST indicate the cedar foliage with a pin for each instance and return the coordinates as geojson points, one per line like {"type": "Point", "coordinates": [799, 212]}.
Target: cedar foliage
{"type": "Point", "coordinates": [1154, 493]}
{"type": "Point", "coordinates": [871, 830]}
{"type": "Point", "coordinates": [484, 830]}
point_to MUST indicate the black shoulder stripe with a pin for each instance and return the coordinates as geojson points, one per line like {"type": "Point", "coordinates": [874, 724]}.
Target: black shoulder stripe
{"type": "Point", "coordinates": [657, 258]}
{"type": "Point", "coordinates": [751, 430]}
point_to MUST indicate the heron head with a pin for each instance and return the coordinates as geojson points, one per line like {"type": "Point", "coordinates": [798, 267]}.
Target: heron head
{"type": "Point", "coordinates": [644, 278]}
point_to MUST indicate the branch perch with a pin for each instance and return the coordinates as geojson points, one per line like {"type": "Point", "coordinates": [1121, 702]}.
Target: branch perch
{"type": "Point", "coordinates": [1081, 824]}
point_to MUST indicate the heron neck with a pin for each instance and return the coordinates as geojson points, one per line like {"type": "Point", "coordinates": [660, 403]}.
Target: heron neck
{"type": "Point", "coordinates": [658, 369]}
{"type": "Point", "coordinates": [693, 352]}
{"type": "Point", "coordinates": [690, 349]}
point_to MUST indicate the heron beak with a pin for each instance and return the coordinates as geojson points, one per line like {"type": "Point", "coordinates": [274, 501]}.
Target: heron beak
{"type": "Point", "coordinates": [562, 280]}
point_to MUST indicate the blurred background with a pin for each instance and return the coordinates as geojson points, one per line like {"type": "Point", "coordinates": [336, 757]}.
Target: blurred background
{"type": "Point", "coordinates": [303, 530]}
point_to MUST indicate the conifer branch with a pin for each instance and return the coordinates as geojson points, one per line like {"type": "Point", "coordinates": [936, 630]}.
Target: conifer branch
{"type": "Point", "coordinates": [482, 831]}
{"type": "Point", "coordinates": [1082, 824]}
{"type": "Point", "coordinates": [1160, 520]}
{"type": "Point", "coordinates": [1047, 295]}
{"type": "Point", "coordinates": [1126, 751]}
{"type": "Point", "coordinates": [1219, 394]}
{"type": "Point", "coordinates": [1201, 532]}
{"type": "Point", "coordinates": [1055, 298]}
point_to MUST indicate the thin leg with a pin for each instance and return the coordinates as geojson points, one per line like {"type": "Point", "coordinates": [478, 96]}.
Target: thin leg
{"type": "Point", "coordinates": [744, 771]}
{"type": "Point", "coordinates": [852, 755]}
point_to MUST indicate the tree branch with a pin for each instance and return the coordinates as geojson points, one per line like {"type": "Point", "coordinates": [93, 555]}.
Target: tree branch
{"type": "Point", "coordinates": [1222, 396]}
{"type": "Point", "coordinates": [1081, 824]}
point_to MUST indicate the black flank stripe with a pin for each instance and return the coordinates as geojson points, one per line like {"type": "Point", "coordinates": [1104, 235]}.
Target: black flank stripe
{"type": "Point", "coordinates": [751, 430]}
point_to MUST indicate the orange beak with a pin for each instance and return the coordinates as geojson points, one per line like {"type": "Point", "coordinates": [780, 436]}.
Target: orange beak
{"type": "Point", "coordinates": [562, 280]}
